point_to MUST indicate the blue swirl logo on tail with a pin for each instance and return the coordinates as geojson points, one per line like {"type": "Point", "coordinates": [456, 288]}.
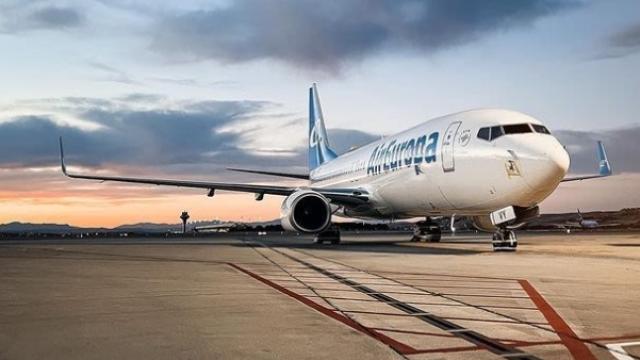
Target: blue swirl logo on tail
{"type": "Point", "coordinates": [319, 150]}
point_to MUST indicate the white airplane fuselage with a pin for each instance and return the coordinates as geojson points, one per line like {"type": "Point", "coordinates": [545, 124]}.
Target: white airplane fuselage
{"type": "Point", "coordinates": [442, 167]}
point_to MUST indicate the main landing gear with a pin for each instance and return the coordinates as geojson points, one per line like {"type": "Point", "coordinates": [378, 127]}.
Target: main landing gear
{"type": "Point", "coordinates": [427, 231]}
{"type": "Point", "coordinates": [332, 235]}
{"type": "Point", "coordinates": [504, 240]}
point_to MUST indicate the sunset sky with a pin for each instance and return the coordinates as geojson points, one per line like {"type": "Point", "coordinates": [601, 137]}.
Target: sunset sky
{"type": "Point", "coordinates": [184, 89]}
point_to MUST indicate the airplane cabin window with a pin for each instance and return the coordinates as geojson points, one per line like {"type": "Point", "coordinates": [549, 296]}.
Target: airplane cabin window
{"type": "Point", "coordinates": [496, 132]}
{"type": "Point", "coordinates": [540, 129]}
{"type": "Point", "coordinates": [483, 133]}
{"type": "Point", "coordinates": [517, 129]}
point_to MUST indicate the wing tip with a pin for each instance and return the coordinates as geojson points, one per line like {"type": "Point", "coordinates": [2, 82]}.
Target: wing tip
{"type": "Point", "coordinates": [62, 164]}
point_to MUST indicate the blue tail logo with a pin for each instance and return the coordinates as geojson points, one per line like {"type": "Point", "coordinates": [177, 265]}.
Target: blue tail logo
{"type": "Point", "coordinates": [319, 150]}
{"type": "Point", "coordinates": [603, 166]}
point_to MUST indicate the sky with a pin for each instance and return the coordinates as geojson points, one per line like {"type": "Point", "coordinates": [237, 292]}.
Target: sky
{"type": "Point", "coordinates": [184, 89]}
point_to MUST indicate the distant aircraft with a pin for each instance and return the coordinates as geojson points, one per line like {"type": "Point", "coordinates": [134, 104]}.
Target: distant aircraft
{"type": "Point", "coordinates": [587, 224]}
{"type": "Point", "coordinates": [492, 165]}
{"type": "Point", "coordinates": [217, 228]}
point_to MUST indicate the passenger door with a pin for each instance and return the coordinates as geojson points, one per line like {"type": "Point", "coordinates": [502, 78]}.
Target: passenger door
{"type": "Point", "coordinates": [448, 142]}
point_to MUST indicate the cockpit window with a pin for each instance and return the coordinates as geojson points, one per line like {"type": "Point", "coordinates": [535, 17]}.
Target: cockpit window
{"type": "Point", "coordinates": [496, 132]}
{"type": "Point", "coordinates": [484, 133]}
{"type": "Point", "coordinates": [517, 129]}
{"type": "Point", "coordinates": [540, 129]}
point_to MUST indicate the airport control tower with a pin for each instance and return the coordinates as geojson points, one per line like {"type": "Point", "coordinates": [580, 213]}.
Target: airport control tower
{"type": "Point", "coordinates": [184, 217]}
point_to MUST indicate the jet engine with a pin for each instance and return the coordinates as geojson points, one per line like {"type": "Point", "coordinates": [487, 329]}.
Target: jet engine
{"type": "Point", "coordinates": [306, 211]}
{"type": "Point", "coordinates": [483, 222]}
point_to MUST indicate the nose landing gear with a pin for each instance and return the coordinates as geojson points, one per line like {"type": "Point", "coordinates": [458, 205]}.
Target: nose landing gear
{"type": "Point", "coordinates": [504, 240]}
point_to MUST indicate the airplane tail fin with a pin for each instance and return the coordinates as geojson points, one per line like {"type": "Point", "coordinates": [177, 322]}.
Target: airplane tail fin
{"type": "Point", "coordinates": [319, 150]}
{"type": "Point", "coordinates": [603, 166]}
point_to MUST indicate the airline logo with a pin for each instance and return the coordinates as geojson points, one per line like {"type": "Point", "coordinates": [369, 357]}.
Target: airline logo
{"type": "Point", "coordinates": [394, 155]}
{"type": "Point", "coordinates": [318, 146]}
{"type": "Point", "coordinates": [314, 138]}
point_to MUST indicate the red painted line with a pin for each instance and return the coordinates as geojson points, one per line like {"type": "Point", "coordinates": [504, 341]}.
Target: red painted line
{"type": "Point", "coordinates": [576, 347]}
{"type": "Point", "coordinates": [394, 344]}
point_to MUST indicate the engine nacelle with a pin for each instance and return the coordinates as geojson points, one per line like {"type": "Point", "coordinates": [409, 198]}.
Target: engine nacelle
{"type": "Point", "coordinates": [483, 222]}
{"type": "Point", "coordinates": [306, 211]}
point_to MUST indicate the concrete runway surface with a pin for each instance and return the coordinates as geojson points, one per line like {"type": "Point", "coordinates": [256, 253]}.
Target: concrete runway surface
{"type": "Point", "coordinates": [279, 297]}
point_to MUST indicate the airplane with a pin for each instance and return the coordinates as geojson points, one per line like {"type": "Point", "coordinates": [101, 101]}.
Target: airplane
{"type": "Point", "coordinates": [585, 223]}
{"type": "Point", "coordinates": [491, 165]}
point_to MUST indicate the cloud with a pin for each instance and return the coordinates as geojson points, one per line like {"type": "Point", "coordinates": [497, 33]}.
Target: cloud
{"type": "Point", "coordinates": [56, 17]}
{"type": "Point", "coordinates": [621, 145]}
{"type": "Point", "coordinates": [343, 140]}
{"type": "Point", "coordinates": [326, 35]}
{"type": "Point", "coordinates": [25, 16]}
{"type": "Point", "coordinates": [133, 131]}
{"type": "Point", "coordinates": [622, 43]}
{"type": "Point", "coordinates": [113, 74]}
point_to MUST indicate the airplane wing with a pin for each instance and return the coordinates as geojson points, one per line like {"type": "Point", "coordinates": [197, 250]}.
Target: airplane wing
{"type": "Point", "coordinates": [272, 173]}
{"type": "Point", "coordinates": [604, 169]}
{"type": "Point", "coordinates": [344, 196]}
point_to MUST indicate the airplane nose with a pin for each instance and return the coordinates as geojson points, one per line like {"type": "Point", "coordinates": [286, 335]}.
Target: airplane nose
{"type": "Point", "coordinates": [547, 166]}
{"type": "Point", "coordinates": [559, 157]}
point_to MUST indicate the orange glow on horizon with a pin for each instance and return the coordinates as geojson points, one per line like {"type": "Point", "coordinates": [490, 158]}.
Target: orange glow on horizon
{"type": "Point", "coordinates": [111, 205]}
{"type": "Point", "coordinates": [87, 211]}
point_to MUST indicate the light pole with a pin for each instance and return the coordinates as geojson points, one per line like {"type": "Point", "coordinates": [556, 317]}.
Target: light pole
{"type": "Point", "coordinates": [184, 217]}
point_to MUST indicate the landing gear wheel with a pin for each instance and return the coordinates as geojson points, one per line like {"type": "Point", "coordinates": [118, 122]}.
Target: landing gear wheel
{"type": "Point", "coordinates": [504, 240]}
{"type": "Point", "coordinates": [434, 235]}
{"type": "Point", "coordinates": [427, 231]}
{"type": "Point", "coordinates": [332, 236]}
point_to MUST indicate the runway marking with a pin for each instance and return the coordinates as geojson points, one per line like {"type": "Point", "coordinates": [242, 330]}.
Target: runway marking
{"type": "Point", "coordinates": [345, 274]}
{"type": "Point", "coordinates": [413, 332]}
{"type": "Point", "coordinates": [564, 338]}
{"type": "Point", "coordinates": [617, 350]}
{"type": "Point", "coordinates": [576, 347]}
{"type": "Point", "coordinates": [443, 317]}
{"type": "Point", "coordinates": [471, 336]}
{"type": "Point", "coordinates": [394, 344]}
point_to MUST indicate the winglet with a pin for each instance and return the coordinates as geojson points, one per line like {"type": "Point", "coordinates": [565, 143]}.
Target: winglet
{"type": "Point", "coordinates": [64, 168]}
{"type": "Point", "coordinates": [604, 168]}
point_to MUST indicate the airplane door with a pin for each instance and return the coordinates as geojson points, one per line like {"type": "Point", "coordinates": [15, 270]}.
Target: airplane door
{"type": "Point", "coordinates": [448, 162]}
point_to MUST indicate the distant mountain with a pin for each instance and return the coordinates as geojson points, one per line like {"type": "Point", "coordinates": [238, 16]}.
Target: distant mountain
{"type": "Point", "coordinates": [148, 227]}
{"type": "Point", "coordinates": [18, 227]}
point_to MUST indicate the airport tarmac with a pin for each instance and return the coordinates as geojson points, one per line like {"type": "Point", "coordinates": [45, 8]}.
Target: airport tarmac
{"type": "Point", "coordinates": [279, 297]}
